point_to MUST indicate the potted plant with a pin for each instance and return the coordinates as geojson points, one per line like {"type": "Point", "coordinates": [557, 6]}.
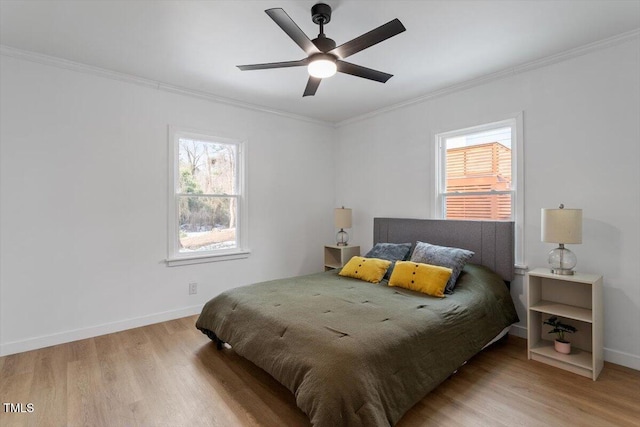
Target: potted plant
{"type": "Point", "coordinates": [561, 345]}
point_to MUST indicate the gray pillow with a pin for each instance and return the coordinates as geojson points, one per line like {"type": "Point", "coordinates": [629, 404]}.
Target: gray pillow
{"type": "Point", "coordinates": [452, 258]}
{"type": "Point", "coordinates": [391, 252]}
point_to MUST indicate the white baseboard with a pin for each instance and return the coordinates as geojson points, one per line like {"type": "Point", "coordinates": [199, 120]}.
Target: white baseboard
{"type": "Point", "coordinates": [621, 358]}
{"type": "Point", "coordinates": [612, 356]}
{"type": "Point", "coordinates": [519, 331]}
{"type": "Point", "coordinates": [94, 331]}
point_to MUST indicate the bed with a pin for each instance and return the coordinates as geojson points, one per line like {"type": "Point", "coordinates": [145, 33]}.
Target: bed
{"type": "Point", "coordinates": [355, 353]}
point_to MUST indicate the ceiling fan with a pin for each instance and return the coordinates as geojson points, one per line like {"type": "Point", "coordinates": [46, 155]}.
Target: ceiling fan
{"type": "Point", "coordinates": [323, 57]}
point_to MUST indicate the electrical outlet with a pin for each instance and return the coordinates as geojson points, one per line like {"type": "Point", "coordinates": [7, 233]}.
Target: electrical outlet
{"type": "Point", "coordinates": [193, 288]}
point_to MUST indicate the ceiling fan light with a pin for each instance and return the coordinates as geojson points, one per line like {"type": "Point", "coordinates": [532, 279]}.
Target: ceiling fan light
{"type": "Point", "coordinates": [322, 68]}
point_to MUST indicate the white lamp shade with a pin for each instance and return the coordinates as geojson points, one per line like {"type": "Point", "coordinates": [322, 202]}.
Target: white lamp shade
{"type": "Point", "coordinates": [562, 225]}
{"type": "Point", "coordinates": [342, 217]}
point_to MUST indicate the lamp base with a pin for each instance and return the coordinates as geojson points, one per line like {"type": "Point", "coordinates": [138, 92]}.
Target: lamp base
{"type": "Point", "coordinates": [342, 238]}
{"type": "Point", "coordinates": [562, 261]}
{"type": "Point", "coordinates": [562, 271]}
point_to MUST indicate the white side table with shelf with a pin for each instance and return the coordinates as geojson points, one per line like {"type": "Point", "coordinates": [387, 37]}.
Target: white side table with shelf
{"type": "Point", "coordinates": [577, 300]}
{"type": "Point", "coordinates": [337, 256]}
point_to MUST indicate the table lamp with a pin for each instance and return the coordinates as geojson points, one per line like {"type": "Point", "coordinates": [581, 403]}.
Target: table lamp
{"type": "Point", "coordinates": [562, 226]}
{"type": "Point", "coordinates": [342, 219]}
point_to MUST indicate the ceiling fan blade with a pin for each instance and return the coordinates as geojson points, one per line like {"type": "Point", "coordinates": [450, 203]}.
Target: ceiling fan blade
{"type": "Point", "coordinates": [286, 64]}
{"type": "Point", "coordinates": [366, 40]}
{"type": "Point", "coordinates": [312, 86]}
{"type": "Point", "coordinates": [285, 22]}
{"type": "Point", "coordinates": [364, 72]}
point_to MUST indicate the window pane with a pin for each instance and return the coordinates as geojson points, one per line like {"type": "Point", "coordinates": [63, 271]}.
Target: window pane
{"type": "Point", "coordinates": [207, 223]}
{"type": "Point", "coordinates": [206, 167]}
{"type": "Point", "coordinates": [495, 207]}
{"type": "Point", "coordinates": [479, 162]}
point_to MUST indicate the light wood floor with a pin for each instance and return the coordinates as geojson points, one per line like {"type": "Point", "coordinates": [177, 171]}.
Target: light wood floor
{"type": "Point", "coordinates": [169, 374]}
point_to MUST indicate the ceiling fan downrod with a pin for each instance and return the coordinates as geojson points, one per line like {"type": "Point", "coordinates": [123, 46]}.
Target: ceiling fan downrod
{"type": "Point", "coordinates": [321, 15]}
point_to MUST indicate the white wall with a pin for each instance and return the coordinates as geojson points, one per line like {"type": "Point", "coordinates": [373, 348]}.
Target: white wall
{"type": "Point", "coordinates": [582, 148]}
{"type": "Point", "coordinates": [83, 164]}
{"type": "Point", "coordinates": [83, 217]}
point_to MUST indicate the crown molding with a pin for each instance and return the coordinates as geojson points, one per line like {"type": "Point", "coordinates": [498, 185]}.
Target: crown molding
{"type": "Point", "coordinates": [129, 78]}
{"type": "Point", "coordinates": [141, 81]}
{"type": "Point", "coordinates": [528, 66]}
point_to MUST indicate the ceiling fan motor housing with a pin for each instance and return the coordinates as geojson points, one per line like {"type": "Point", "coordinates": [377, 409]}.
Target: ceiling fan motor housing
{"type": "Point", "coordinates": [324, 44]}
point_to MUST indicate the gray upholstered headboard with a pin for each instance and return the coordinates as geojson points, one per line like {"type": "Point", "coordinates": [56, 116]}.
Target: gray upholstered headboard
{"type": "Point", "coordinates": [492, 242]}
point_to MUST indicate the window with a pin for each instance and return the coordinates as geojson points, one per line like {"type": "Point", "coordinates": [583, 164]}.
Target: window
{"type": "Point", "coordinates": [207, 204]}
{"type": "Point", "coordinates": [479, 174]}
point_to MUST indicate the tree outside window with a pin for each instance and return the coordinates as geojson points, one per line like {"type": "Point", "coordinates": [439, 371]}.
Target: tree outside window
{"type": "Point", "coordinates": [207, 195]}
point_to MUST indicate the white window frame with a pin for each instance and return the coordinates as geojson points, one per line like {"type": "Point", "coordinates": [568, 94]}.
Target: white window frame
{"type": "Point", "coordinates": [517, 174]}
{"type": "Point", "coordinates": [175, 257]}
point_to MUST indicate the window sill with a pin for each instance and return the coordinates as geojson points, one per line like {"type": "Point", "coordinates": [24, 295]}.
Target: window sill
{"type": "Point", "coordinates": [521, 269]}
{"type": "Point", "coordinates": [200, 259]}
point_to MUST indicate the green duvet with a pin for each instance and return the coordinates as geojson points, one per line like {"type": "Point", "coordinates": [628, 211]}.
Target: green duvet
{"type": "Point", "coordinates": [355, 353]}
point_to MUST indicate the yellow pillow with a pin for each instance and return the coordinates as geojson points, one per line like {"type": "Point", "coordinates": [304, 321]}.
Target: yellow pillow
{"type": "Point", "coordinates": [369, 269]}
{"type": "Point", "coordinates": [425, 278]}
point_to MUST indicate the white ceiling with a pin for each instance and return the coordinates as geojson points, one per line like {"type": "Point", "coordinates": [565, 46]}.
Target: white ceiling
{"type": "Point", "coordinates": [197, 44]}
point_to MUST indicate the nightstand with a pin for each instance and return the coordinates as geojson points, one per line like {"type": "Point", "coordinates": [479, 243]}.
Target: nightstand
{"type": "Point", "coordinates": [577, 300]}
{"type": "Point", "coordinates": [338, 256]}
